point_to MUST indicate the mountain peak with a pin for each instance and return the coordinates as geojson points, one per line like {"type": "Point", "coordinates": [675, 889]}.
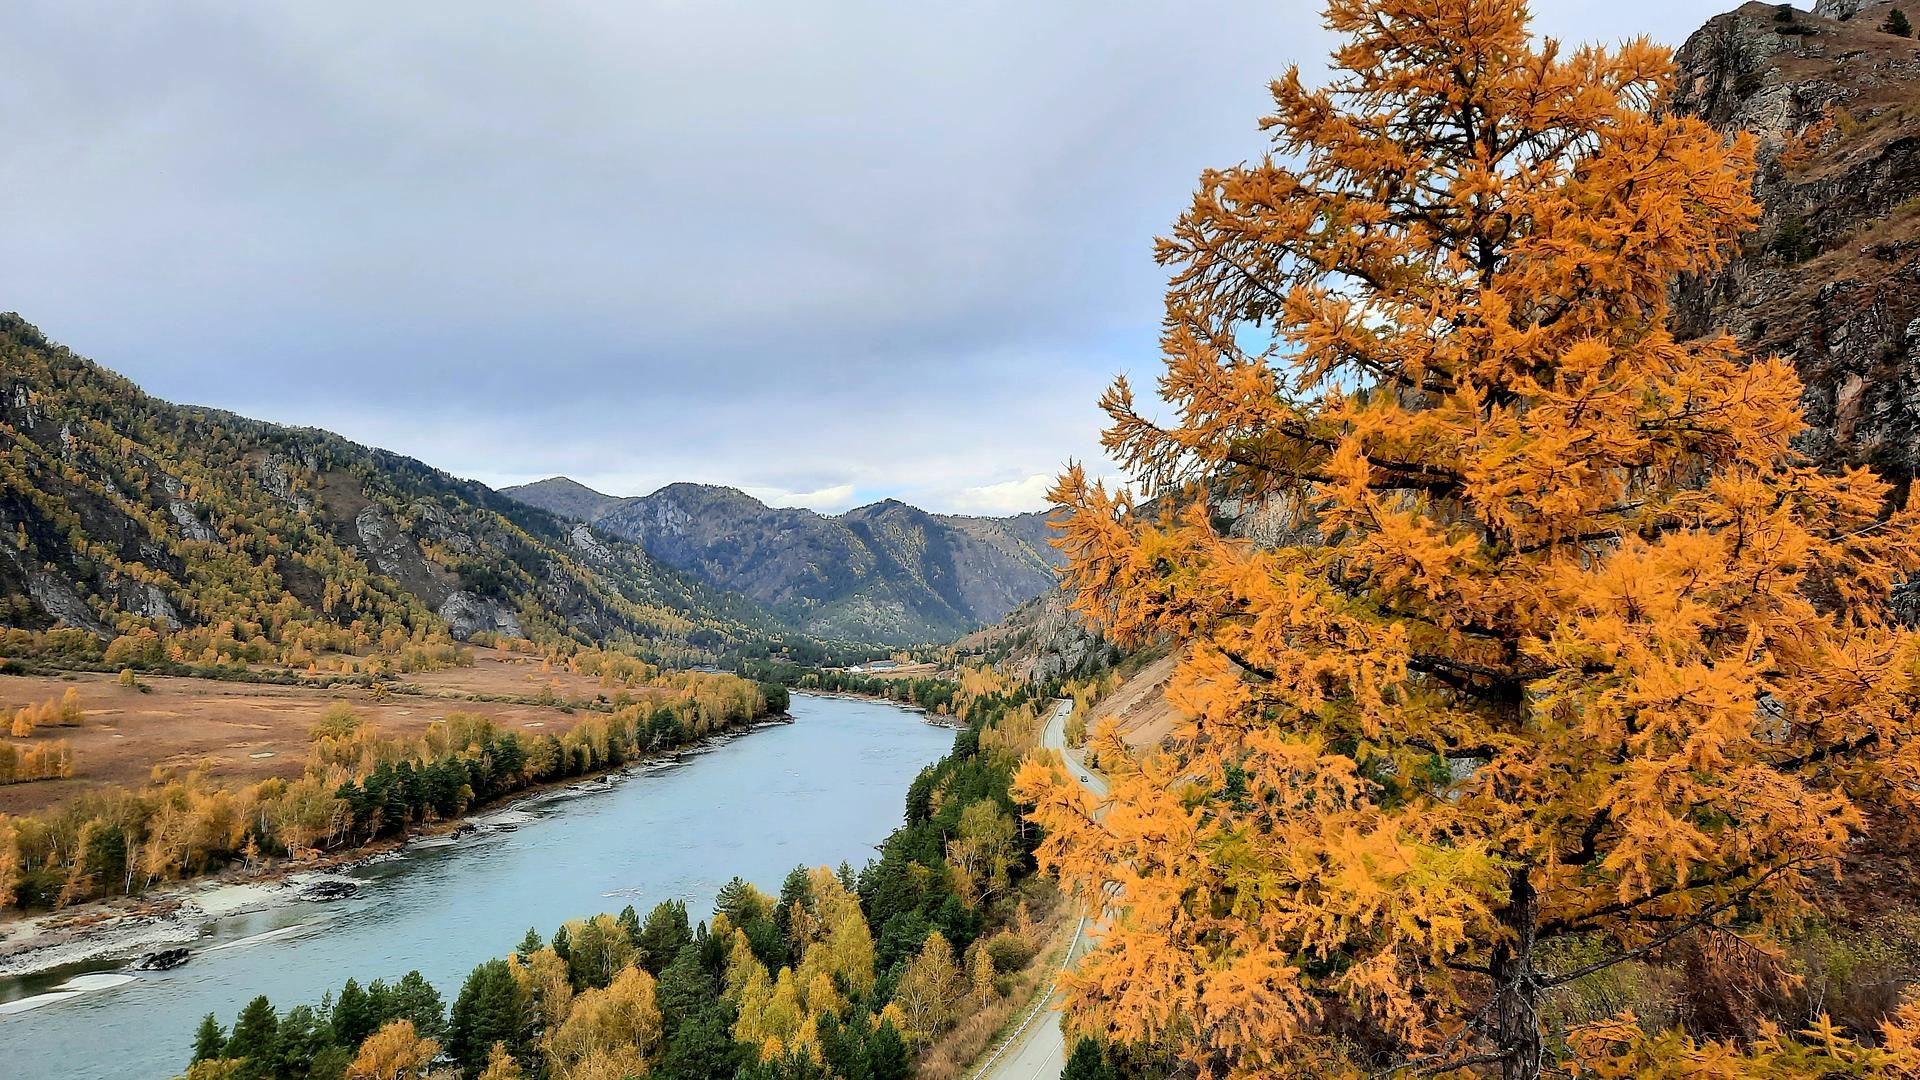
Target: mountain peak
{"type": "Point", "coordinates": [565, 497]}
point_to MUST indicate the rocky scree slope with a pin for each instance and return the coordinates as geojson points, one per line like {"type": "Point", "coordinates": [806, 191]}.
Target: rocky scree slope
{"type": "Point", "coordinates": [887, 573]}
{"type": "Point", "coordinates": [121, 511]}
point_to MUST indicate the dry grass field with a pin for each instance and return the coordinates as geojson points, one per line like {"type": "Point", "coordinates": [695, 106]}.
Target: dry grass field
{"type": "Point", "coordinates": [239, 733]}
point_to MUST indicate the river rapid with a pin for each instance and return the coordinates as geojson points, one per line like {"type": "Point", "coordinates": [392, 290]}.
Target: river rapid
{"type": "Point", "coordinates": [824, 789]}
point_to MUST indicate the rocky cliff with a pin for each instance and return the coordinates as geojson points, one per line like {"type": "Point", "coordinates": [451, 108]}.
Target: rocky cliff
{"type": "Point", "coordinates": [1831, 279]}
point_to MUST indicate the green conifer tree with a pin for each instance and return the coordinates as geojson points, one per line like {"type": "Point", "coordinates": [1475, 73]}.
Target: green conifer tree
{"type": "Point", "coordinates": [353, 1016]}
{"type": "Point", "coordinates": [490, 1008]}
{"type": "Point", "coordinates": [254, 1032]}
{"type": "Point", "coordinates": [666, 932]}
{"type": "Point", "coordinates": [1087, 1063]}
{"type": "Point", "coordinates": [210, 1041]}
{"type": "Point", "coordinates": [887, 1057]}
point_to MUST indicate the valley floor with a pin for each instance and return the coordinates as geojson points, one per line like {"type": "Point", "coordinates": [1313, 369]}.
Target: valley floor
{"type": "Point", "coordinates": [238, 733]}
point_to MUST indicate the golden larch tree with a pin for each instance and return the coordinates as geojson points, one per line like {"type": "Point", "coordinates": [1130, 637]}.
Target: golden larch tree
{"type": "Point", "coordinates": [395, 1052]}
{"type": "Point", "coordinates": [1561, 639]}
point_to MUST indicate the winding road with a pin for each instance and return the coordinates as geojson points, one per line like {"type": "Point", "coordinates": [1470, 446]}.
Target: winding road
{"type": "Point", "coordinates": [1037, 1050]}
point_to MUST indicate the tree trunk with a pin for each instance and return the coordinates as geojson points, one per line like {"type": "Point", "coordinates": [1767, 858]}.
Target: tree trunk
{"type": "Point", "coordinates": [1516, 1020]}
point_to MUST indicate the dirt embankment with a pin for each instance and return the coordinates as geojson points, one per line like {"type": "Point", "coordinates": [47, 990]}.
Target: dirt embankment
{"type": "Point", "coordinates": [1140, 705]}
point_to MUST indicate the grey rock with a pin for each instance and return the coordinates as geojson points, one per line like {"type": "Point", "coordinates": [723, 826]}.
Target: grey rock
{"type": "Point", "coordinates": [467, 614]}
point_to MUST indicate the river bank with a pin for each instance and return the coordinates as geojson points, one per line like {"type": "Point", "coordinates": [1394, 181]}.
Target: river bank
{"type": "Point", "coordinates": [945, 720]}
{"type": "Point", "coordinates": [820, 791]}
{"type": "Point", "coordinates": [178, 913]}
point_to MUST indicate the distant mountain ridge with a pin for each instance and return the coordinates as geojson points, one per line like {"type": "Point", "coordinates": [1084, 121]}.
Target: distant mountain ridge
{"type": "Point", "coordinates": [886, 572]}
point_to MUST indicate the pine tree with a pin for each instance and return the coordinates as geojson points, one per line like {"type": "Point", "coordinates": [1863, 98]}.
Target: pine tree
{"type": "Point", "coordinates": [490, 1009]}
{"type": "Point", "coordinates": [414, 999]}
{"type": "Point", "coordinates": [740, 902]}
{"type": "Point", "coordinates": [629, 921]}
{"type": "Point", "coordinates": [663, 936]}
{"type": "Point", "coordinates": [1560, 639]}
{"type": "Point", "coordinates": [298, 1043]}
{"type": "Point", "coordinates": [255, 1030]}
{"type": "Point", "coordinates": [1087, 1062]}
{"type": "Point", "coordinates": [701, 1048]}
{"type": "Point", "coordinates": [210, 1040]}
{"type": "Point", "coordinates": [1897, 24]}
{"type": "Point", "coordinates": [795, 892]}
{"type": "Point", "coordinates": [685, 989]}
{"type": "Point", "coordinates": [530, 944]}
{"type": "Point", "coordinates": [887, 1057]}
{"type": "Point", "coordinates": [353, 1015]}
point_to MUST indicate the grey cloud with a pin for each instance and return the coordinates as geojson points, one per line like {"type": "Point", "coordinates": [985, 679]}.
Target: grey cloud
{"type": "Point", "coordinates": [791, 247]}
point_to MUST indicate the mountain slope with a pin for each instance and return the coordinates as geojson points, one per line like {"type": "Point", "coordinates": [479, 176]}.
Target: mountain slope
{"type": "Point", "coordinates": [237, 539]}
{"type": "Point", "coordinates": [887, 572]}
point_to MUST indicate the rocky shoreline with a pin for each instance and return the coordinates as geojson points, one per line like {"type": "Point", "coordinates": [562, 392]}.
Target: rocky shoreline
{"type": "Point", "coordinates": [181, 913]}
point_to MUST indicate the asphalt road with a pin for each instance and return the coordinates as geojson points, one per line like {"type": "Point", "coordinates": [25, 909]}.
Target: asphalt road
{"type": "Point", "coordinates": [1038, 1051]}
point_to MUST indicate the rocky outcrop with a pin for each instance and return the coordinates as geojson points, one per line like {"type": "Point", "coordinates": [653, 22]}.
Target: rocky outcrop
{"type": "Point", "coordinates": [1045, 640]}
{"type": "Point", "coordinates": [1831, 278]}
{"type": "Point", "coordinates": [467, 614]}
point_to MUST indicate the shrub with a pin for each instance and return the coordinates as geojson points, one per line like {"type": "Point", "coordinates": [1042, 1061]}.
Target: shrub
{"type": "Point", "coordinates": [337, 722]}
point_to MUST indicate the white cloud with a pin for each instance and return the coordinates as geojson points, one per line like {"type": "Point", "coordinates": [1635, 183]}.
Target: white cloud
{"type": "Point", "coordinates": [827, 500]}
{"type": "Point", "coordinates": [1006, 497]}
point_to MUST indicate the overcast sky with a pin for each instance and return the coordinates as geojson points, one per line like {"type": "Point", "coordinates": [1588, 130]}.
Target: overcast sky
{"type": "Point", "coordinates": [826, 252]}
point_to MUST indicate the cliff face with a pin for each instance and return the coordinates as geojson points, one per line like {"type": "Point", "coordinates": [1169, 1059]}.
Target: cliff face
{"type": "Point", "coordinates": [1831, 279]}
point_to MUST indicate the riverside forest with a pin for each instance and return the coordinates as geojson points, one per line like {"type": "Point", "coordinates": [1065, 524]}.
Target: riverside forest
{"type": "Point", "coordinates": [1481, 643]}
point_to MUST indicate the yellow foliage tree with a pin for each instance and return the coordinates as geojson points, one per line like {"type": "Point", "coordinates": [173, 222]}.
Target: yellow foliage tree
{"type": "Point", "coordinates": [836, 942]}
{"type": "Point", "coordinates": [70, 713]}
{"type": "Point", "coordinates": [1562, 640]}
{"type": "Point", "coordinates": [929, 990]}
{"type": "Point", "coordinates": [500, 1065]}
{"type": "Point", "coordinates": [9, 861]}
{"type": "Point", "coordinates": [1623, 1050]}
{"type": "Point", "coordinates": [611, 1032]}
{"type": "Point", "coordinates": [984, 852]}
{"type": "Point", "coordinates": [395, 1052]}
{"type": "Point", "coordinates": [542, 977]}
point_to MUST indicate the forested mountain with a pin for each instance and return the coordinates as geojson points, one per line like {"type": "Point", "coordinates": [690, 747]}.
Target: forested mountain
{"type": "Point", "coordinates": [231, 538]}
{"type": "Point", "coordinates": [886, 572]}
